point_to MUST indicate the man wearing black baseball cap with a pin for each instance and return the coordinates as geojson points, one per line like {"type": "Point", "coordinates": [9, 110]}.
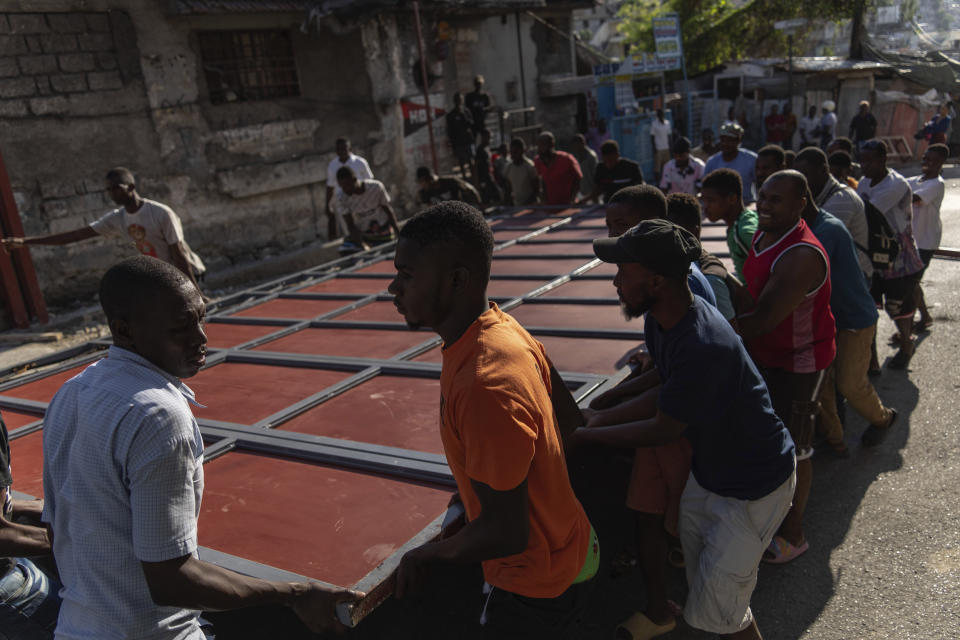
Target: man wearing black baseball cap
{"type": "Point", "coordinates": [743, 469]}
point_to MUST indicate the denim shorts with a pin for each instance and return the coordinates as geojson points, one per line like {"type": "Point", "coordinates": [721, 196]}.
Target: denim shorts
{"type": "Point", "coordinates": [29, 603]}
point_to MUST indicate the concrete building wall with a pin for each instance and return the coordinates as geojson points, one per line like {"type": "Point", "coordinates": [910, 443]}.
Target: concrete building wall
{"type": "Point", "coordinates": [492, 47]}
{"type": "Point", "coordinates": [89, 84]}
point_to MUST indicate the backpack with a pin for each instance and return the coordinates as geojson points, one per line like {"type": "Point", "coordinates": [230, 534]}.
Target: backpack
{"type": "Point", "coordinates": [883, 246]}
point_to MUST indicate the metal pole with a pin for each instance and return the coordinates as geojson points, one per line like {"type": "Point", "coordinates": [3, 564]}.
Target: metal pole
{"type": "Point", "coordinates": [426, 89]}
{"type": "Point", "coordinates": [523, 80]}
{"type": "Point", "coordinates": [686, 86]}
{"type": "Point", "coordinates": [790, 68]}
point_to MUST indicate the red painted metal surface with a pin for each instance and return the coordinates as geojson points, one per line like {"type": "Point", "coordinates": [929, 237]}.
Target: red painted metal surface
{"type": "Point", "coordinates": [584, 289]}
{"type": "Point", "coordinates": [26, 462]}
{"type": "Point", "coordinates": [26, 275]}
{"type": "Point", "coordinates": [532, 221]}
{"type": "Point", "coordinates": [16, 419]}
{"type": "Point", "coordinates": [349, 285]}
{"type": "Point", "coordinates": [590, 355]}
{"type": "Point", "coordinates": [505, 235]}
{"type": "Point", "coordinates": [44, 389]}
{"type": "Point", "coordinates": [581, 316]}
{"type": "Point", "coordinates": [523, 267]}
{"type": "Point", "coordinates": [245, 393]}
{"type": "Point", "coordinates": [395, 411]}
{"type": "Point", "coordinates": [360, 343]}
{"type": "Point", "coordinates": [384, 266]}
{"type": "Point", "coordinates": [291, 308]}
{"type": "Point", "coordinates": [434, 355]}
{"type": "Point", "coordinates": [581, 355]}
{"type": "Point", "coordinates": [604, 269]}
{"type": "Point", "coordinates": [328, 524]}
{"type": "Point", "coordinates": [223, 336]}
{"type": "Point", "coordinates": [559, 248]}
{"type": "Point", "coordinates": [574, 234]}
{"type": "Point", "coordinates": [513, 288]}
{"type": "Point", "coordinates": [373, 312]}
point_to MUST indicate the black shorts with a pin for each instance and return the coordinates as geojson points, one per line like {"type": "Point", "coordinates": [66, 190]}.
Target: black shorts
{"type": "Point", "coordinates": [926, 255]}
{"type": "Point", "coordinates": [795, 400]}
{"type": "Point", "coordinates": [508, 615]}
{"type": "Point", "coordinates": [896, 295]}
{"type": "Point", "coordinates": [464, 154]}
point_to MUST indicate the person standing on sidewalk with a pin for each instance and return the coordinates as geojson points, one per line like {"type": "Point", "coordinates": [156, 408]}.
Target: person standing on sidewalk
{"type": "Point", "coordinates": [661, 134]}
{"type": "Point", "coordinates": [460, 132]}
{"type": "Point", "coordinates": [928, 191]}
{"type": "Point", "coordinates": [863, 126]}
{"type": "Point", "coordinates": [558, 170]}
{"type": "Point", "coordinates": [731, 156]}
{"type": "Point", "coordinates": [896, 286]}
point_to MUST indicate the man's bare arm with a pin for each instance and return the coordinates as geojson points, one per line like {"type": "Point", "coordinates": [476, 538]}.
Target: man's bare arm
{"type": "Point", "coordinates": [55, 239]}
{"type": "Point", "coordinates": [798, 272]}
{"type": "Point", "coordinates": [392, 218]}
{"type": "Point", "coordinates": [20, 539]}
{"type": "Point", "coordinates": [657, 430]}
{"type": "Point", "coordinates": [631, 409]}
{"type": "Point", "coordinates": [632, 386]}
{"type": "Point", "coordinates": [502, 529]}
{"type": "Point", "coordinates": [179, 258]}
{"type": "Point", "coordinates": [332, 231]}
{"type": "Point", "coordinates": [193, 584]}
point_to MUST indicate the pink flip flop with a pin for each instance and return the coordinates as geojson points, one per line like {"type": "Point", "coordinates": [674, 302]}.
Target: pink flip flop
{"type": "Point", "coordinates": [782, 552]}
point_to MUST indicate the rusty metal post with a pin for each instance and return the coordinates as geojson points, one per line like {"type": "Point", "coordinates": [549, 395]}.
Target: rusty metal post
{"type": "Point", "coordinates": [426, 89]}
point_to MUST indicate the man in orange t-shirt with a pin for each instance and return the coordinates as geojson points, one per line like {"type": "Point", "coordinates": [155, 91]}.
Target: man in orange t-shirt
{"type": "Point", "coordinates": [500, 435]}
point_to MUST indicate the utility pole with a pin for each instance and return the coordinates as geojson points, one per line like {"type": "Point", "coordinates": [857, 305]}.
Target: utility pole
{"type": "Point", "coordinates": [790, 66]}
{"type": "Point", "coordinates": [426, 88]}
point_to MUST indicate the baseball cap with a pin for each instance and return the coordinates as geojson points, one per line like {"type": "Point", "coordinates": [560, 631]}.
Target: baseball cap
{"type": "Point", "coordinates": [657, 244]}
{"type": "Point", "coordinates": [731, 129]}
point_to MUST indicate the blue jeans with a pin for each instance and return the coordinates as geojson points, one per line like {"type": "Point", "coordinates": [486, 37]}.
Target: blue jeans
{"type": "Point", "coordinates": [29, 603]}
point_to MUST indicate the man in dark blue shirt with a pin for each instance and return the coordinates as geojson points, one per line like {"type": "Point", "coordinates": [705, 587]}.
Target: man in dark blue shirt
{"type": "Point", "coordinates": [743, 468]}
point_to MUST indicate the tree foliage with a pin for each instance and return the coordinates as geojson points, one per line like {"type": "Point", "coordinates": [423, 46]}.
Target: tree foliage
{"type": "Point", "coordinates": [717, 31]}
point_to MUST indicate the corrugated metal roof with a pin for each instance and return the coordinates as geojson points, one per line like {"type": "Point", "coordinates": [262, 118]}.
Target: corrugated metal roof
{"type": "Point", "coordinates": [192, 7]}
{"type": "Point", "coordinates": [823, 63]}
{"type": "Point", "coordinates": [818, 64]}
{"type": "Point", "coordinates": [321, 8]}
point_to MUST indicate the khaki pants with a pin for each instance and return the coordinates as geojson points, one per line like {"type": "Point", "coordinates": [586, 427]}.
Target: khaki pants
{"type": "Point", "coordinates": [662, 157]}
{"type": "Point", "coordinates": [848, 374]}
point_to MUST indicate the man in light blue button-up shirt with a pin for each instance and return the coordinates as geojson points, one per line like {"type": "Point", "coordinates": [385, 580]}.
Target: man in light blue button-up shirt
{"type": "Point", "coordinates": [123, 477]}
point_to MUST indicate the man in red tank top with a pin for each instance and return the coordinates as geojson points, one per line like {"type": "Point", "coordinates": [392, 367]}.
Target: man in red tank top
{"type": "Point", "coordinates": [790, 331]}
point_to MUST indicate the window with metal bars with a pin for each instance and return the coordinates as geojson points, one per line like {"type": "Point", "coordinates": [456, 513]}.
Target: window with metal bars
{"type": "Point", "coordinates": [248, 65]}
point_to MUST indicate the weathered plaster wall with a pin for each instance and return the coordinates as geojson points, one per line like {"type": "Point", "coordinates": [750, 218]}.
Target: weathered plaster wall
{"type": "Point", "coordinates": [491, 46]}
{"type": "Point", "coordinates": [89, 84]}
